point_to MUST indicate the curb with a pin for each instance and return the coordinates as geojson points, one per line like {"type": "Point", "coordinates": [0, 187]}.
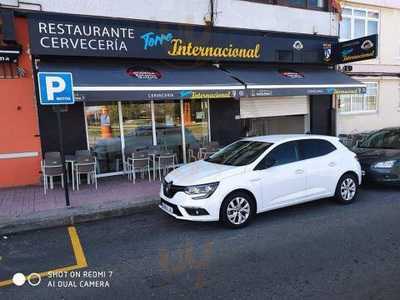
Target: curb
{"type": "Point", "coordinates": [74, 215]}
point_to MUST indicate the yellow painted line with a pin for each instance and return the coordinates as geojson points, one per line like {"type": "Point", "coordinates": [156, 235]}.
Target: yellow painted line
{"type": "Point", "coordinates": [78, 253]}
{"type": "Point", "coordinates": [77, 247]}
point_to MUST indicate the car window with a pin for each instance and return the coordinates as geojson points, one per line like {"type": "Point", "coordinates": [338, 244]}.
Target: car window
{"type": "Point", "coordinates": [240, 153]}
{"type": "Point", "coordinates": [283, 154]}
{"type": "Point", "coordinates": [314, 148]}
{"type": "Point", "coordinates": [384, 139]}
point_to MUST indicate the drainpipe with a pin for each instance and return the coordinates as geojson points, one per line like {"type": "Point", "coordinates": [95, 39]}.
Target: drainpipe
{"type": "Point", "coordinates": [209, 18]}
{"type": "Point", "coordinates": [212, 13]}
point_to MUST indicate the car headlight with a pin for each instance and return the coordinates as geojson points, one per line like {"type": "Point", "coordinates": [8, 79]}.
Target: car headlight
{"type": "Point", "coordinates": [384, 164]}
{"type": "Point", "coordinates": [201, 191]}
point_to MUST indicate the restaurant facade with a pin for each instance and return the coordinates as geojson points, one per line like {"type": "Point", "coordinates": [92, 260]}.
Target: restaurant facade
{"type": "Point", "coordinates": [138, 84]}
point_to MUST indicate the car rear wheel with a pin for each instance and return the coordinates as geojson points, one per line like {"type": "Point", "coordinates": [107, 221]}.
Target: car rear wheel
{"type": "Point", "coordinates": [237, 210]}
{"type": "Point", "coordinates": [347, 189]}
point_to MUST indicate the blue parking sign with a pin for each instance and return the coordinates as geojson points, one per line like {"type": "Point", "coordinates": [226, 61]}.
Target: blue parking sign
{"type": "Point", "coordinates": [56, 88]}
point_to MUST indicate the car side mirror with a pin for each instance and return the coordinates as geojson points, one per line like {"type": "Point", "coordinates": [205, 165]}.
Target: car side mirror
{"type": "Point", "coordinates": [265, 164]}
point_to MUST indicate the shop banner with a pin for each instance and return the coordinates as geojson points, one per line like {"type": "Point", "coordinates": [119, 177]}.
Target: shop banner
{"type": "Point", "coordinates": [97, 96]}
{"type": "Point", "coordinates": [356, 50]}
{"type": "Point", "coordinates": [67, 35]}
{"type": "Point", "coordinates": [284, 91]}
{"type": "Point", "coordinates": [9, 54]}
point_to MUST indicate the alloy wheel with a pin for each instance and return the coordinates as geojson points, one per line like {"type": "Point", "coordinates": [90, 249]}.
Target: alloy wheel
{"type": "Point", "coordinates": [238, 210]}
{"type": "Point", "coordinates": [348, 189]}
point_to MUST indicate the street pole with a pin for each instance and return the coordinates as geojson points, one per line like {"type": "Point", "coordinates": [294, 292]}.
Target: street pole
{"type": "Point", "coordinates": [61, 141]}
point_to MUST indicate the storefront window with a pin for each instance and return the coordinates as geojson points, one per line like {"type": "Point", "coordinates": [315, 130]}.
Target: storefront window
{"type": "Point", "coordinates": [104, 137]}
{"type": "Point", "coordinates": [137, 126]}
{"type": "Point", "coordinates": [168, 127]}
{"type": "Point", "coordinates": [196, 123]}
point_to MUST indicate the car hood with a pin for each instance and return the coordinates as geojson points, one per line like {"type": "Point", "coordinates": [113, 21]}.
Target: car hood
{"type": "Point", "coordinates": [369, 156]}
{"type": "Point", "coordinates": [201, 172]}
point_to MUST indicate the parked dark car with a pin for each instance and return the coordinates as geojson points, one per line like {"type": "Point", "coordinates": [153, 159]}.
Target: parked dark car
{"type": "Point", "coordinates": [379, 155]}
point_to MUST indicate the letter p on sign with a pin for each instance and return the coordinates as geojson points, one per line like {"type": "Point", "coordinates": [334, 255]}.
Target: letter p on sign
{"type": "Point", "coordinates": [55, 88]}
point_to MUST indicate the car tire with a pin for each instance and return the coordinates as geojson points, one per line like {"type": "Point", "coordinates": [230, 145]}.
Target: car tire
{"type": "Point", "coordinates": [237, 210]}
{"type": "Point", "coordinates": [347, 189]}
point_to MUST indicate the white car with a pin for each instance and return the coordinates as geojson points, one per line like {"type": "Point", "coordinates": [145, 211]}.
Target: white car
{"type": "Point", "coordinates": [259, 174]}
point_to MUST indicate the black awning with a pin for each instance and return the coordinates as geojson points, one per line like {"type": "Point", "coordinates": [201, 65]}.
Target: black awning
{"type": "Point", "coordinates": [138, 81]}
{"type": "Point", "coordinates": [292, 80]}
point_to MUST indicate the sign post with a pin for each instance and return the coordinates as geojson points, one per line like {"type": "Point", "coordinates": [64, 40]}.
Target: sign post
{"type": "Point", "coordinates": [56, 89]}
{"type": "Point", "coordinates": [59, 110]}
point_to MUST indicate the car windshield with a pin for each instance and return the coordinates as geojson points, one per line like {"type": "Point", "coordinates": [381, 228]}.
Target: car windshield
{"type": "Point", "coordinates": [240, 153]}
{"type": "Point", "coordinates": [384, 139]}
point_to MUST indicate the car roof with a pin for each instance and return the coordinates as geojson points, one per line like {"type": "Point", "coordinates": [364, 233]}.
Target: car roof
{"type": "Point", "coordinates": [280, 138]}
{"type": "Point", "coordinates": [389, 128]}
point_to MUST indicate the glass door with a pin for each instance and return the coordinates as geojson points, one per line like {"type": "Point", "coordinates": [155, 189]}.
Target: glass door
{"type": "Point", "coordinates": [137, 124]}
{"type": "Point", "coordinates": [104, 137]}
{"type": "Point", "coordinates": [169, 127]}
{"type": "Point", "coordinates": [196, 123]}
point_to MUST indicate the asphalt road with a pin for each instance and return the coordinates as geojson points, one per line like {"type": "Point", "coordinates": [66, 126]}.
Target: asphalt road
{"type": "Point", "coordinates": [319, 250]}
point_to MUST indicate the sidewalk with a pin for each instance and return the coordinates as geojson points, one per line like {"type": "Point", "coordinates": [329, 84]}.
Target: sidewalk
{"type": "Point", "coordinates": [27, 208]}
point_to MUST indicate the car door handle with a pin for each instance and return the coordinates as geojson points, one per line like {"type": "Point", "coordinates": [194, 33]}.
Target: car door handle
{"type": "Point", "coordinates": [332, 164]}
{"type": "Point", "coordinates": [299, 171]}
{"type": "Point", "coordinates": [255, 179]}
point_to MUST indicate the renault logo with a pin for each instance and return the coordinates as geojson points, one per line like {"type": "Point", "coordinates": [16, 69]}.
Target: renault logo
{"type": "Point", "coordinates": [168, 186]}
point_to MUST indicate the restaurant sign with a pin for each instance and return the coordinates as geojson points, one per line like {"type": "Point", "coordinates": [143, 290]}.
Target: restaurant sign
{"type": "Point", "coordinates": [67, 35]}
{"type": "Point", "coordinates": [9, 54]}
{"type": "Point", "coordinates": [356, 50]}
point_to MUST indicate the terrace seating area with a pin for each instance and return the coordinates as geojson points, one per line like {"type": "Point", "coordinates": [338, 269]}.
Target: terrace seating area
{"type": "Point", "coordinates": [150, 163]}
{"type": "Point", "coordinates": [144, 168]}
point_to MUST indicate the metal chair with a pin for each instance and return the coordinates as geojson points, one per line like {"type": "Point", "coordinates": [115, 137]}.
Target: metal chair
{"type": "Point", "coordinates": [139, 162]}
{"type": "Point", "coordinates": [166, 161]}
{"type": "Point", "coordinates": [193, 154]}
{"type": "Point", "coordinates": [212, 147]}
{"type": "Point", "coordinates": [82, 153]}
{"type": "Point", "coordinates": [85, 164]}
{"type": "Point", "coordinates": [52, 167]}
{"type": "Point", "coordinates": [209, 150]}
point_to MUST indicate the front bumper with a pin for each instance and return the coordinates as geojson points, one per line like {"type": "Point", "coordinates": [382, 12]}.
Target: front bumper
{"type": "Point", "coordinates": [387, 176]}
{"type": "Point", "coordinates": [181, 206]}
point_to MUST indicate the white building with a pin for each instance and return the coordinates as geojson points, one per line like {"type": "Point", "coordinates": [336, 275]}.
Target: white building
{"type": "Point", "coordinates": [299, 16]}
{"type": "Point", "coordinates": [380, 107]}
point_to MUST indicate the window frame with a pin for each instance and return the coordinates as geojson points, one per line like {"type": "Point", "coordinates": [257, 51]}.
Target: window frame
{"type": "Point", "coordinates": [365, 99]}
{"type": "Point", "coordinates": [305, 6]}
{"type": "Point", "coordinates": [352, 18]}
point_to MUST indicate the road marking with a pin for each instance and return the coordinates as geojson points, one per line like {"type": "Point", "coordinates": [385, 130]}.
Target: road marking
{"type": "Point", "coordinates": [80, 259]}
{"type": "Point", "coordinates": [77, 248]}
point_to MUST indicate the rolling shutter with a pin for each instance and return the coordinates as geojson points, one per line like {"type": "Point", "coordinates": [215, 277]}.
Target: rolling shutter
{"type": "Point", "coordinates": [273, 106]}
